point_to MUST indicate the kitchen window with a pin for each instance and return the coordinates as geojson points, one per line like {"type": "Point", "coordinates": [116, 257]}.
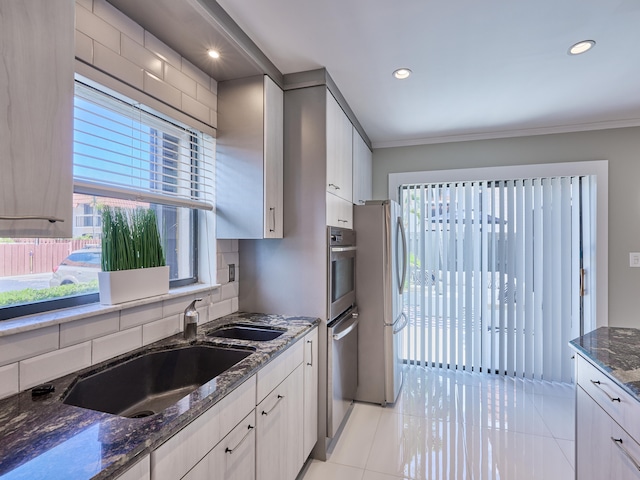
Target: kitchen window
{"type": "Point", "coordinates": [124, 155]}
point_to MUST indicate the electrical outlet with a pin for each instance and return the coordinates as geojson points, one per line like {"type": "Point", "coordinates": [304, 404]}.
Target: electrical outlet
{"type": "Point", "coordinates": [634, 259]}
{"type": "Point", "coordinates": [232, 272]}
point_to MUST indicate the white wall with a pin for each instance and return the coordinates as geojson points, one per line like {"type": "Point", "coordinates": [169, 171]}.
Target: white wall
{"type": "Point", "coordinates": [43, 347]}
{"type": "Point", "coordinates": [620, 146]}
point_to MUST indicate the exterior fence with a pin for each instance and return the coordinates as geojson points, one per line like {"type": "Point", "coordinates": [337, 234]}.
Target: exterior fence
{"type": "Point", "coordinates": [42, 257]}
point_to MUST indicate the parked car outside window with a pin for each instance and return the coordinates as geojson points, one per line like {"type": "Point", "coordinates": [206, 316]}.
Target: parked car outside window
{"type": "Point", "coordinates": [81, 266]}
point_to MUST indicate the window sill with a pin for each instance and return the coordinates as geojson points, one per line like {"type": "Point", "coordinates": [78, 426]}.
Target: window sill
{"type": "Point", "coordinates": [57, 317]}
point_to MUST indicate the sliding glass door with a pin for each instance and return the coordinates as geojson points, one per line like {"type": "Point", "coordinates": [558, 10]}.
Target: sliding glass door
{"type": "Point", "coordinates": [495, 274]}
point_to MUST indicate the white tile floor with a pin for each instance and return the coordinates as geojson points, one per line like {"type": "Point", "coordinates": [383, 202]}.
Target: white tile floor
{"type": "Point", "coordinates": [448, 426]}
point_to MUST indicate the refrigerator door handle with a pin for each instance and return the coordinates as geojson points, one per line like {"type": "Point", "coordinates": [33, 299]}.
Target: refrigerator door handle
{"type": "Point", "coordinates": [399, 328]}
{"type": "Point", "coordinates": [401, 279]}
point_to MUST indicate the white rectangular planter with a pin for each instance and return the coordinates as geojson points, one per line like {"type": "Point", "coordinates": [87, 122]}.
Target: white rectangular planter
{"type": "Point", "coordinates": [127, 285]}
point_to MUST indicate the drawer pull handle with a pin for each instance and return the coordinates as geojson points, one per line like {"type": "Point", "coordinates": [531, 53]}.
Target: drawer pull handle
{"type": "Point", "coordinates": [311, 357]}
{"type": "Point", "coordinates": [597, 384]}
{"type": "Point", "coordinates": [334, 186]}
{"type": "Point", "coordinates": [618, 443]}
{"type": "Point", "coordinates": [231, 450]}
{"type": "Point", "coordinates": [280, 397]}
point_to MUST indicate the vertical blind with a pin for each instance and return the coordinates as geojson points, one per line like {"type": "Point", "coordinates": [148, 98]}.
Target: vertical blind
{"type": "Point", "coordinates": [123, 151]}
{"type": "Point", "coordinates": [494, 276]}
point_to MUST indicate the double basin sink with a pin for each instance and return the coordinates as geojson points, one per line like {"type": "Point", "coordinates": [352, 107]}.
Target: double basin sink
{"type": "Point", "coordinates": [147, 384]}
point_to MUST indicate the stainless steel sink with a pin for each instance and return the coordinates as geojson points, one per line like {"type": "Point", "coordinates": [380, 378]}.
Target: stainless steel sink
{"type": "Point", "coordinates": [145, 385]}
{"type": "Point", "coordinates": [256, 333]}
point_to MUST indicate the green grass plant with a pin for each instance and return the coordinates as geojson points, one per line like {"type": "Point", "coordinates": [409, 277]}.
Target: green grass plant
{"type": "Point", "coordinates": [130, 239]}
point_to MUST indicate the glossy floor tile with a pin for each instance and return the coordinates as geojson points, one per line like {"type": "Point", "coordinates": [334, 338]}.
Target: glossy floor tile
{"type": "Point", "coordinates": [452, 425]}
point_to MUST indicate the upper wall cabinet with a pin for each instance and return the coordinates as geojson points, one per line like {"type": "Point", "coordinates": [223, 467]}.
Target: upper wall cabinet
{"type": "Point", "coordinates": [362, 170]}
{"type": "Point", "coordinates": [339, 151]}
{"type": "Point", "coordinates": [36, 117]}
{"type": "Point", "coordinates": [249, 168]}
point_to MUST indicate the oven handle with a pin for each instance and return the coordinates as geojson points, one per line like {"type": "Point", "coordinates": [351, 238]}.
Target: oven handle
{"type": "Point", "coordinates": [394, 325]}
{"type": "Point", "coordinates": [343, 249]}
{"type": "Point", "coordinates": [352, 324]}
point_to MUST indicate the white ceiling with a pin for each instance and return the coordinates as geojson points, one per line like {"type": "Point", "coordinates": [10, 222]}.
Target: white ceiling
{"type": "Point", "coordinates": [481, 69]}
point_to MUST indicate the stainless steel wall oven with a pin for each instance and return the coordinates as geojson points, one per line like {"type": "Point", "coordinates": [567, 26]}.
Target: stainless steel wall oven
{"type": "Point", "coordinates": [342, 271]}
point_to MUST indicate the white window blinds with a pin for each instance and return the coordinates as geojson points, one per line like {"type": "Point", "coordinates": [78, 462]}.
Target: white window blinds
{"type": "Point", "coordinates": [122, 151]}
{"type": "Point", "coordinates": [495, 272]}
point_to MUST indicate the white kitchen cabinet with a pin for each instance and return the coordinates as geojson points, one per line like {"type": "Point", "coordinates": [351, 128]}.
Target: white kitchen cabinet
{"type": "Point", "coordinates": [140, 471]}
{"type": "Point", "coordinates": [249, 160]}
{"type": "Point", "coordinates": [362, 170]}
{"type": "Point", "coordinates": [233, 458]}
{"type": "Point", "coordinates": [339, 211]}
{"type": "Point", "coordinates": [279, 430]}
{"type": "Point", "coordinates": [310, 397]}
{"type": "Point", "coordinates": [606, 427]}
{"type": "Point", "coordinates": [339, 151]}
{"type": "Point", "coordinates": [36, 116]}
{"type": "Point", "coordinates": [180, 453]}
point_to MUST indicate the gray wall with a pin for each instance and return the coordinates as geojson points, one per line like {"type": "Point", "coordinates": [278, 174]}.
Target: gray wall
{"type": "Point", "coordinates": [620, 146]}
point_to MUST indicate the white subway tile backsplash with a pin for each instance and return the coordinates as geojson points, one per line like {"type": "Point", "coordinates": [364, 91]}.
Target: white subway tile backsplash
{"type": "Point", "coordinates": [88, 4]}
{"type": "Point", "coordinates": [207, 97]}
{"type": "Point", "coordinates": [161, 90]}
{"type": "Point", "coordinates": [222, 275]}
{"type": "Point", "coordinates": [220, 309]}
{"type": "Point", "coordinates": [49, 366]}
{"type": "Point", "coordinates": [229, 258]}
{"type": "Point", "coordinates": [28, 344]}
{"type": "Point", "coordinates": [89, 328]}
{"type": "Point", "coordinates": [173, 76]}
{"type": "Point", "coordinates": [196, 109]}
{"type": "Point", "coordinates": [116, 344]}
{"type": "Point", "coordinates": [194, 72]}
{"type": "Point", "coordinates": [9, 380]}
{"type": "Point", "coordinates": [142, 57]}
{"type": "Point", "coordinates": [109, 61]}
{"type": "Point", "coordinates": [214, 86]}
{"type": "Point", "coordinates": [84, 47]}
{"type": "Point", "coordinates": [234, 304]}
{"type": "Point", "coordinates": [154, 331]}
{"type": "Point", "coordinates": [98, 29]}
{"type": "Point", "coordinates": [175, 306]}
{"type": "Point", "coordinates": [214, 118]}
{"type": "Point", "coordinates": [119, 20]}
{"type": "Point", "coordinates": [223, 246]}
{"type": "Point", "coordinates": [214, 296]}
{"type": "Point", "coordinates": [162, 50]}
{"type": "Point", "coordinates": [132, 317]}
{"type": "Point", "coordinates": [229, 290]}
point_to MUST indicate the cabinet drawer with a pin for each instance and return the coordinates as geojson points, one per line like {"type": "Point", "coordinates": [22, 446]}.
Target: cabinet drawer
{"type": "Point", "coordinates": [616, 402]}
{"type": "Point", "coordinates": [233, 458]}
{"type": "Point", "coordinates": [273, 373]}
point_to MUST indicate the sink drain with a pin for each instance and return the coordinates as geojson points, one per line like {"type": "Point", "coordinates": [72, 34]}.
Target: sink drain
{"type": "Point", "coordinates": [142, 414]}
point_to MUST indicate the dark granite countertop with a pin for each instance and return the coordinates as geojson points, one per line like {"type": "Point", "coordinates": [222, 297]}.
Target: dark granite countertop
{"type": "Point", "coordinates": [616, 351]}
{"type": "Point", "coordinates": [45, 438]}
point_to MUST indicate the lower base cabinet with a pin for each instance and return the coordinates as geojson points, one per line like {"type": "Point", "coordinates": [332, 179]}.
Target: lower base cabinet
{"type": "Point", "coordinates": [279, 430]}
{"type": "Point", "coordinates": [233, 458]}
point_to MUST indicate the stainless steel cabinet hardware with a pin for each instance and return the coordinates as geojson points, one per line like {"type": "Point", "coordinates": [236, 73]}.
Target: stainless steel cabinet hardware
{"type": "Point", "coordinates": [231, 450]}
{"type": "Point", "coordinates": [597, 384]}
{"type": "Point", "coordinates": [348, 330]}
{"type": "Point", "coordinates": [311, 362]}
{"type": "Point", "coordinates": [273, 219]}
{"type": "Point", "coordinates": [31, 217]}
{"type": "Point", "coordinates": [618, 443]}
{"type": "Point", "coordinates": [334, 186]}
{"type": "Point", "coordinates": [280, 397]}
{"type": "Point", "coordinates": [343, 221]}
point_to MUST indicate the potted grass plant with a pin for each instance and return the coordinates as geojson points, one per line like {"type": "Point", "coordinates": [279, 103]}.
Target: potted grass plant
{"type": "Point", "coordinates": [133, 262]}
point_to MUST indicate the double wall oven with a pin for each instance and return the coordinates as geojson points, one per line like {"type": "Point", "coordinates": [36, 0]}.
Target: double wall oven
{"type": "Point", "coordinates": [342, 335]}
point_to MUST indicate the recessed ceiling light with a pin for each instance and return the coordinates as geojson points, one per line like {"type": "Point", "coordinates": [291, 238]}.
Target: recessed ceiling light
{"type": "Point", "coordinates": [402, 73]}
{"type": "Point", "coordinates": [214, 54]}
{"type": "Point", "coordinates": [581, 47]}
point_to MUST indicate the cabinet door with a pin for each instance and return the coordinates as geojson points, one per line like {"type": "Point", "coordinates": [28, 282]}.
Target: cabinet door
{"type": "Point", "coordinates": [36, 116]}
{"type": "Point", "coordinates": [140, 471]}
{"type": "Point", "coordinates": [593, 435]}
{"type": "Point", "coordinates": [339, 211]}
{"type": "Point", "coordinates": [279, 430]}
{"type": "Point", "coordinates": [339, 151]}
{"type": "Point", "coordinates": [362, 170]}
{"type": "Point", "coordinates": [273, 159]}
{"type": "Point", "coordinates": [310, 365]}
{"type": "Point", "coordinates": [233, 458]}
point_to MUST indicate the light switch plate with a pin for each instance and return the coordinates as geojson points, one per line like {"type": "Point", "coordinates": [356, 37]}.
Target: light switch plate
{"type": "Point", "coordinates": [634, 259]}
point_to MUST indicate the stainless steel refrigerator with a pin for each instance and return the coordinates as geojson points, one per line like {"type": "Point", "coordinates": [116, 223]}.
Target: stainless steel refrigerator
{"type": "Point", "coordinates": [381, 270]}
